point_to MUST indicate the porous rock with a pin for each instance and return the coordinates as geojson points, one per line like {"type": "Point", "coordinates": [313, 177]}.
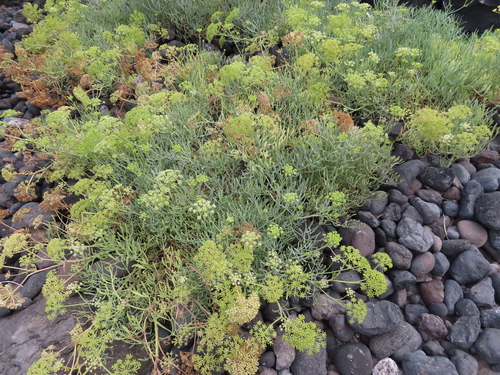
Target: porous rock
{"type": "Point", "coordinates": [469, 267]}
{"type": "Point", "coordinates": [400, 255]}
{"type": "Point", "coordinates": [432, 327]}
{"type": "Point", "coordinates": [471, 192]}
{"type": "Point", "coordinates": [437, 178]}
{"type": "Point", "coordinates": [403, 339]}
{"type": "Point", "coordinates": [414, 236]}
{"type": "Point", "coordinates": [490, 318]}
{"type": "Point", "coordinates": [306, 363]}
{"type": "Point", "coordinates": [488, 345]}
{"type": "Point", "coordinates": [488, 210]}
{"type": "Point", "coordinates": [464, 362]}
{"type": "Point", "coordinates": [482, 293]}
{"type": "Point", "coordinates": [417, 363]}
{"type": "Point", "coordinates": [362, 237]}
{"type": "Point", "coordinates": [381, 317]}
{"type": "Point", "coordinates": [285, 354]}
{"type": "Point", "coordinates": [352, 359]}
{"type": "Point", "coordinates": [465, 331]}
{"type": "Point", "coordinates": [386, 366]}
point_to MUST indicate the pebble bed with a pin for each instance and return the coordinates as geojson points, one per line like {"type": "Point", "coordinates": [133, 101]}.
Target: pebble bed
{"type": "Point", "coordinates": [440, 226]}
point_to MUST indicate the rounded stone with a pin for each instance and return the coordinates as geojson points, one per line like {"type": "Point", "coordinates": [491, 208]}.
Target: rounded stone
{"type": "Point", "coordinates": [392, 212]}
{"type": "Point", "coordinates": [378, 203]}
{"type": "Point", "coordinates": [437, 245]}
{"type": "Point", "coordinates": [465, 307]}
{"type": "Point", "coordinates": [462, 174]}
{"type": "Point", "coordinates": [472, 231]}
{"type": "Point", "coordinates": [408, 171]}
{"type": "Point", "coordinates": [414, 236]}
{"type": "Point", "coordinates": [488, 178]}
{"type": "Point", "coordinates": [432, 348]}
{"type": "Point", "coordinates": [471, 192]}
{"type": "Point", "coordinates": [451, 248]}
{"type": "Point", "coordinates": [347, 279]}
{"type": "Point", "coordinates": [341, 330]}
{"type": "Point", "coordinates": [413, 312]}
{"type": "Point", "coordinates": [494, 238]}
{"type": "Point", "coordinates": [284, 353]}
{"type": "Point", "coordinates": [422, 265]}
{"type": "Point", "coordinates": [441, 264]}
{"type": "Point", "coordinates": [453, 233]}
{"type": "Point", "coordinates": [453, 194]}
{"type": "Point", "coordinates": [33, 285]}
{"type": "Point", "coordinates": [417, 363]}
{"type": "Point", "coordinates": [432, 327]}
{"type": "Point", "coordinates": [439, 309]}
{"type": "Point", "coordinates": [430, 196]}
{"type": "Point", "coordinates": [486, 156]}
{"type": "Point", "coordinates": [263, 370]}
{"type": "Point", "coordinates": [452, 294]}
{"type": "Point", "coordinates": [353, 359]}
{"type": "Point", "coordinates": [402, 279]}
{"type": "Point", "coordinates": [326, 307]}
{"type": "Point", "coordinates": [306, 363]}
{"type": "Point", "coordinates": [386, 366]}
{"type": "Point", "coordinates": [362, 237]}
{"type": "Point", "coordinates": [465, 331]}
{"type": "Point", "coordinates": [412, 213]}
{"type": "Point", "coordinates": [400, 255]}
{"type": "Point", "coordinates": [469, 167]}
{"type": "Point", "coordinates": [389, 227]}
{"type": "Point", "coordinates": [488, 210]}
{"type": "Point", "coordinates": [482, 293]}
{"type": "Point", "coordinates": [404, 339]}
{"type": "Point", "coordinates": [368, 218]}
{"type": "Point", "coordinates": [381, 317]}
{"type": "Point", "coordinates": [469, 267]}
{"type": "Point", "coordinates": [32, 214]}
{"type": "Point", "coordinates": [437, 178]}
{"type": "Point", "coordinates": [488, 345]}
{"type": "Point", "coordinates": [268, 359]}
{"type": "Point", "coordinates": [432, 291]}
{"type": "Point", "coordinates": [464, 362]}
{"type": "Point", "coordinates": [495, 280]}
{"type": "Point", "coordinates": [430, 212]}
{"type": "Point", "coordinates": [395, 196]}
{"type": "Point", "coordinates": [490, 318]}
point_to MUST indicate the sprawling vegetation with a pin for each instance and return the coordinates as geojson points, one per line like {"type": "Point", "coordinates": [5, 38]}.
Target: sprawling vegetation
{"type": "Point", "coordinates": [199, 197]}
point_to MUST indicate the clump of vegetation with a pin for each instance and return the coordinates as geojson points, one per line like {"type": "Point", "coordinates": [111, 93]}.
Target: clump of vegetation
{"type": "Point", "coordinates": [192, 200]}
{"type": "Point", "coordinates": [459, 132]}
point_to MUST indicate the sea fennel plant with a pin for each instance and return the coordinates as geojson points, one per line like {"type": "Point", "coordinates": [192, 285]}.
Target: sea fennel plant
{"type": "Point", "coordinates": [192, 202]}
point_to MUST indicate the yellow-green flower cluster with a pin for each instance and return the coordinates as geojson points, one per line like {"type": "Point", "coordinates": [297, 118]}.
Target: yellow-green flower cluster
{"type": "Point", "coordinates": [458, 131]}
{"type": "Point", "coordinates": [202, 208]}
{"type": "Point", "coordinates": [250, 239]}
{"type": "Point", "coordinates": [333, 239]}
{"type": "Point", "coordinates": [289, 170]}
{"type": "Point", "coordinates": [367, 79]}
{"type": "Point", "coordinates": [304, 336]}
{"type": "Point", "coordinates": [291, 198]}
{"type": "Point", "coordinates": [274, 231]}
{"type": "Point", "coordinates": [273, 288]}
{"type": "Point", "coordinates": [356, 310]}
{"type": "Point", "coordinates": [374, 282]}
{"type": "Point", "coordinates": [159, 197]}
{"type": "Point", "coordinates": [244, 309]}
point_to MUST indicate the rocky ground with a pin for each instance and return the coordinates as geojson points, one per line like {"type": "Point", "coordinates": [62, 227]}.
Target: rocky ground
{"type": "Point", "coordinates": [440, 226]}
